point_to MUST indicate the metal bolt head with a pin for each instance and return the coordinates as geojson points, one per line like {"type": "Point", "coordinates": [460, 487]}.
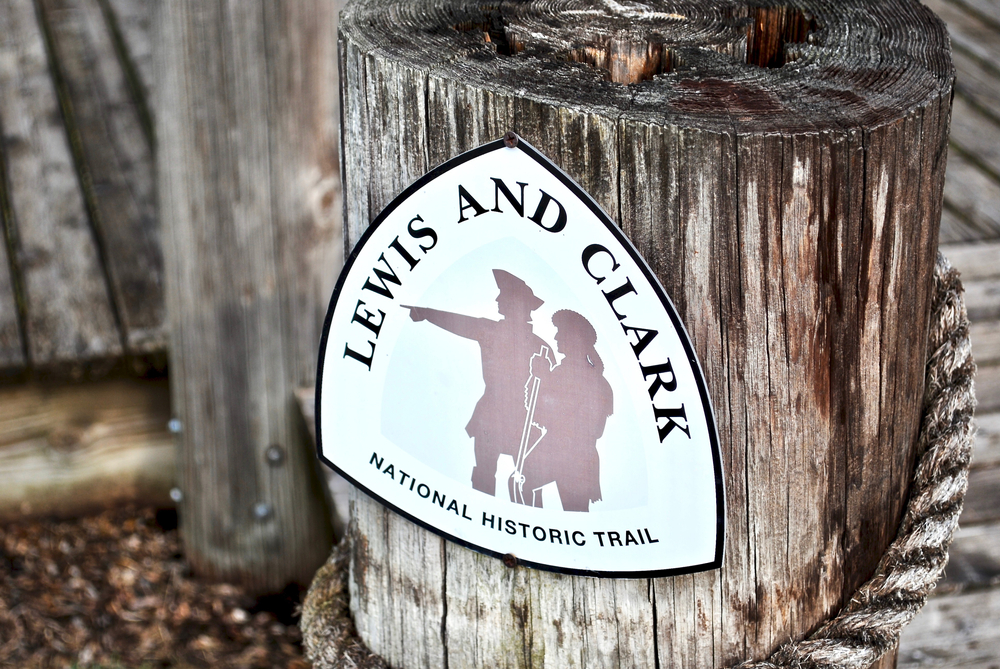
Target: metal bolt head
{"type": "Point", "coordinates": [275, 455]}
{"type": "Point", "coordinates": [510, 139]}
{"type": "Point", "coordinates": [510, 560]}
{"type": "Point", "coordinates": [176, 495]}
{"type": "Point", "coordinates": [262, 510]}
{"type": "Point", "coordinates": [175, 425]}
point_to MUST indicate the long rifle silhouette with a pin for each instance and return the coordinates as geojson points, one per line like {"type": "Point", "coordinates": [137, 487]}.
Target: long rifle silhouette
{"type": "Point", "coordinates": [531, 387]}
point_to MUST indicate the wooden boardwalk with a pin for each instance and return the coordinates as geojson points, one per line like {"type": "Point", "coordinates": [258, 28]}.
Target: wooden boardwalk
{"type": "Point", "coordinates": [81, 269]}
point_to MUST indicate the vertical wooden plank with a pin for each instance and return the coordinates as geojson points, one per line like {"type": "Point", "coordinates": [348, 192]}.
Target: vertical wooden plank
{"type": "Point", "coordinates": [116, 161]}
{"type": "Point", "coordinates": [762, 333]}
{"type": "Point", "coordinates": [262, 521]}
{"type": "Point", "coordinates": [811, 251]}
{"type": "Point", "coordinates": [69, 317]}
{"type": "Point", "coordinates": [663, 212]}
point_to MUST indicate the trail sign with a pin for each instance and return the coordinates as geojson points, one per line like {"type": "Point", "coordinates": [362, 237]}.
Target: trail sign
{"type": "Point", "coordinates": [501, 366]}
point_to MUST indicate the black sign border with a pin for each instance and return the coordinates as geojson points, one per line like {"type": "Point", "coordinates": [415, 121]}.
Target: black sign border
{"type": "Point", "coordinates": [457, 161]}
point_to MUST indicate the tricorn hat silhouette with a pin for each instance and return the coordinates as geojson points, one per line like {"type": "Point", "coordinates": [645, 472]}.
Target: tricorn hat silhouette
{"type": "Point", "coordinates": [515, 287]}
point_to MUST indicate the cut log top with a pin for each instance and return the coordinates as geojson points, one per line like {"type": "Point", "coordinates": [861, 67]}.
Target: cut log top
{"type": "Point", "coordinates": [821, 65]}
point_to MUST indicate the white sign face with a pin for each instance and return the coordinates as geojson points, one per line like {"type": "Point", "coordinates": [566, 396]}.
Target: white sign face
{"type": "Point", "coordinates": [500, 366]}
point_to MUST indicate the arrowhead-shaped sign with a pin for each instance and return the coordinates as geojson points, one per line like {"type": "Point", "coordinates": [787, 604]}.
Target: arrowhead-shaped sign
{"type": "Point", "coordinates": [501, 366]}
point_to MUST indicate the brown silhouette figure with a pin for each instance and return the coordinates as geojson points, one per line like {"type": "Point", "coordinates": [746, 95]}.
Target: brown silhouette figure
{"type": "Point", "coordinates": [573, 404]}
{"type": "Point", "coordinates": [506, 347]}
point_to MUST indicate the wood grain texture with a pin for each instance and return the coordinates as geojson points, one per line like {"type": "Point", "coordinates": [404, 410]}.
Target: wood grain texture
{"type": "Point", "coordinates": [12, 358]}
{"type": "Point", "coordinates": [131, 23]}
{"type": "Point", "coordinates": [983, 299]}
{"type": "Point", "coordinates": [249, 204]}
{"type": "Point", "coordinates": [70, 449]}
{"type": "Point", "coordinates": [987, 11]}
{"type": "Point", "coordinates": [955, 631]}
{"type": "Point", "coordinates": [973, 559]}
{"type": "Point", "coordinates": [978, 83]}
{"type": "Point", "coordinates": [969, 33]}
{"type": "Point", "coordinates": [977, 136]}
{"type": "Point", "coordinates": [115, 160]}
{"type": "Point", "coordinates": [339, 487]}
{"type": "Point", "coordinates": [985, 339]}
{"type": "Point", "coordinates": [982, 502]}
{"type": "Point", "coordinates": [973, 197]}
{"type": "Point", "coordinates": [988, 388]}
{"type": "Point", "coordinates": [69, 317]}
{"type": "Point", "coordinates": [975, 261]}
{"type": "Point", "coordinates": [781, 208]}
{"type": "Point", "coordinates": [987, 451]}
{"type": "Point", "coordinates": [957, 229]}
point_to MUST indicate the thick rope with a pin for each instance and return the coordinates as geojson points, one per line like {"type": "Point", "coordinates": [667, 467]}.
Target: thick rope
{"type": "Point", "coordinates": [870, 624]}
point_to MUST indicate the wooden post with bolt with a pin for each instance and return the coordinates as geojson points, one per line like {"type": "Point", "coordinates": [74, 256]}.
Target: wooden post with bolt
{"type": "Point", "coordinates": [249, 200]}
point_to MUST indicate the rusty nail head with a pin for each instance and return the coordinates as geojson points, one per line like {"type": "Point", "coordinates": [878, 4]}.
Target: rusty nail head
{"type": "Point", "coordinates": [510, 139]}
{"type": "Point", "coordinates": [510, 560]}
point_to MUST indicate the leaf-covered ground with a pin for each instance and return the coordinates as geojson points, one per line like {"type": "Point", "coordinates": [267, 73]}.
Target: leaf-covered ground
{"type": "Point", "coordinates": [112, 591]}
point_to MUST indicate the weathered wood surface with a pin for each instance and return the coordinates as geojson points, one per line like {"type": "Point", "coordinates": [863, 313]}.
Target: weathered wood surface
{"type": "Point", "coordinates": [11, 343]}
{"type": "Point", "coordinates": [972, 197]}
{"type": "Point", "coordinates": [973, 559]}
{"type": "Point", "coordinates": [73, 448]}
{"type": "Point", "coordinates": [68, 315]}
{"type": "Point", "coordinates": [340, 489]}
{"type": "Point", "coordinates": [957, 631]}
{"type": "Point", "coordinates": [958, 628]}
{"type": "Point", "coordinates": [738, 251]}
{"type": "Point", "coordinates": [82, 245]}
{"type": "Point", "coordinates": [247, 186]}
{"type": "Point", "coordinates": [115, 162]}
{"type": "Point", "coordinates": [972, 189]}
{"type": "Point", "coordinates": [131, 23]}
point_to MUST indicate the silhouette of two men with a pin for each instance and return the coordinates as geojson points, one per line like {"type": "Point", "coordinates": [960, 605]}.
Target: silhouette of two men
{"type": "Point", "coordinates": [573, 403]}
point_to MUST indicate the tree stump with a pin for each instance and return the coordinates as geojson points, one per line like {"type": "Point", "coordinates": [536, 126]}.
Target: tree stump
{"type": "Point", "coordinates": [781, 169]}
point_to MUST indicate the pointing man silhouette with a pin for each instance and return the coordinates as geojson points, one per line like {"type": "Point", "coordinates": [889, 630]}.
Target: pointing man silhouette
{"type": "Point", "coordinates": [506, 347]}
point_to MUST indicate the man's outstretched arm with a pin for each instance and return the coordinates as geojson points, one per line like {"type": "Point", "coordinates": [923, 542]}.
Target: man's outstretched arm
{"type": "Point", "coordinates": [469, 327]}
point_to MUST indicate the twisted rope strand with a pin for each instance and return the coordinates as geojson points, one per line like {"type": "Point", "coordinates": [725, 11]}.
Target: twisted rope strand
{"type": "Point", "coordinates": [870, 624]}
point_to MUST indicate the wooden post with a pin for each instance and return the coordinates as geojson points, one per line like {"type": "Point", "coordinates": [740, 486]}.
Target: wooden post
{"type": "Point", "coordinates": [781, 170]}
{"type": "Point", "coordinates": [249, 198]}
